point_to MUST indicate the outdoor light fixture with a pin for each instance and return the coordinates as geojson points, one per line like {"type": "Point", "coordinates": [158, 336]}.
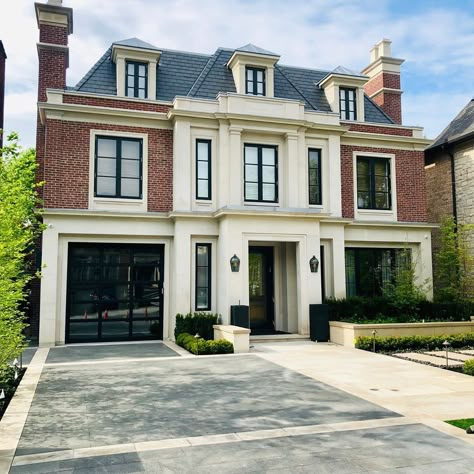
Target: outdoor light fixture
{"type": "Point", "coordinates": [235, 263]}
{"type": "Point", "coordinates": [446, 345]}
{"type": "Point", "coordinates": [314, 264]}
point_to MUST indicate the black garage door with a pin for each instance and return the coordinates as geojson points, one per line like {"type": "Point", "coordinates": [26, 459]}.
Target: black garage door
{"type": "Point", "coordinates": [114, 292]}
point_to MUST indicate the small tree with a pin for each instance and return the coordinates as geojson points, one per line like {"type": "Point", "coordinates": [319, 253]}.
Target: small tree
{"type": "Point", "coordinates": [20, 226]}
{"type": "Point", "coordinates": [454, 263]}
{"type": "Point", "coordinates": [403, 292]}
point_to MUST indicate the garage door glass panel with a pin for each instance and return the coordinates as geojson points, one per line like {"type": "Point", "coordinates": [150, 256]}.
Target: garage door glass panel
{"type": "Point", "coordinates": [115, 285]}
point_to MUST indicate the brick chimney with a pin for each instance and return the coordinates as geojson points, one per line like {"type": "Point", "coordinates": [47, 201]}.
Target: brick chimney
{"type": "Point", "coordinates": [55, 25]}
{"type": "Point", "coordinates": [383, 86]}
{"type": "Point", "coordinates": [3, 58]}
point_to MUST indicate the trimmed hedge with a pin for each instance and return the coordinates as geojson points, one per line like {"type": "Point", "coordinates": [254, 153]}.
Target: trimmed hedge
{"type": "Point", "coordinates": [469, 367]}
{"type": "Point", "coordinates": [414, 343]}
{"type": "Point", "coordinates": [196, 323]}
{"type": "Point", "coordinates": [204, 347]}
{"type": "Point", "coordinates": [358, 309]}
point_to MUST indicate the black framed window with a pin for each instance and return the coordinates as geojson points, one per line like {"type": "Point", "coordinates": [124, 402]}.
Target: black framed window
{"type": "Point", "coordinates": [203, 169]}
{"type": "Point", "coordinates": [369, 270]}
{"type": "Point", "coordinates": [347, 104]}
{"type": "Point", "coordinates": [261, 173]}
{"type": "Point", "coordinates": [118, 167]}
{"type": "Point", "coordinates": [373, 183]}
{"type": "Point", "coordinates": [255, 81]}
{"type": "Point", "coordinates": [203, 277]}
{"type": "Point", "coordinates": [136, 80]}
{"type": "Point", "coordinates": [314, 176]}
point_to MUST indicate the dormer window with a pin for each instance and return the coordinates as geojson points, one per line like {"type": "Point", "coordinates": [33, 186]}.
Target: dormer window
{"type": "Point", "coordinates": [255, 81]}
{"type": "Point", "coordinates": [347, 104]}
{"type": "Point", "coordinates": [136, 80]}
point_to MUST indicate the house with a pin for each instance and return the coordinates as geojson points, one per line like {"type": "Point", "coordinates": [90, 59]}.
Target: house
{"type": "Point", "coordinates": [450, 173]}
{"type": "Point", "coordinates": [180, 182]}
{"type": "Point", "coordinates": [3, 57]}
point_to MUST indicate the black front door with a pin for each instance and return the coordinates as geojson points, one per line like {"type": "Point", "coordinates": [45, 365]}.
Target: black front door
{"type": "Point", "coordinates": [114, 292]}
{"type": "Point", "coordinates": [261, 289]}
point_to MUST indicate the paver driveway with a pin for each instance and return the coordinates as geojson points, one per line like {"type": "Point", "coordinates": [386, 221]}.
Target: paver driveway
{"type": "Point", "coordinates": [142, 408]}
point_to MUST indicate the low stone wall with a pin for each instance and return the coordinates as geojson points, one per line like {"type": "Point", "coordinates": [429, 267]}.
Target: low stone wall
{"type": "Point", "coordinates": [240, 337]}
{"type": "Point", "coordinates": [346, 333]}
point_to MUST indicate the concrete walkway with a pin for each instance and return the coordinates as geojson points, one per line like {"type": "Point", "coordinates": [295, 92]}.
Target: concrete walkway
{"type": "Point", "coordinates": [286, 407]}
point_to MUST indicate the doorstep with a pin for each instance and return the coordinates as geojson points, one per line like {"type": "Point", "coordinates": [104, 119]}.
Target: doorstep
{"type": "Point", "coordinates": [279, 338]}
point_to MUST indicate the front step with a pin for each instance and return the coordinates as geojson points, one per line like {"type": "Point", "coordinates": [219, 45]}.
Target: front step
{"type": "Point", "coordinates": [278, 338]}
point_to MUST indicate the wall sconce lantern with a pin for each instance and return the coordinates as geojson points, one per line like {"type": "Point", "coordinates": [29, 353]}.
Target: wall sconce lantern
{"type": "Point", "coordinates": [314, 264]}
{"type": "Point", "coordinates": [235, 263]}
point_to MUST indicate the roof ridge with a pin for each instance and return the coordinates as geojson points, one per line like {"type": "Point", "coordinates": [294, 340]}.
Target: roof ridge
{"type": "Point", "coordinates": [93, 69]}
{"type": "Point", "coordinates": [202, 76]}
{"type": "Point", "coordinates": [296, 89]}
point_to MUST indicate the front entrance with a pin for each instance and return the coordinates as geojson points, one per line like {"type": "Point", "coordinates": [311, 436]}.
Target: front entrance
{"type": "Point", "coordinates": [261, 290]}
{"type": "Point", "coordinates": [114, 292]}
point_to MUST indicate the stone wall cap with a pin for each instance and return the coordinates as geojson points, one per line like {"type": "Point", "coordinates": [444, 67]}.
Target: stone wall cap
{"type": "Point", "coordinates": [231, 329]}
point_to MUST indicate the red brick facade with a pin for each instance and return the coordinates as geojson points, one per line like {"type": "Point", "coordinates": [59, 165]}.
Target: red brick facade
{"type": "Point", "coordinates": [115, 103]}
{"type": "Point", "coordinates": [380, 129]}
{"type": "Point", "coordinates": [53, 34]}
{"type": "Point", "coordinates": [390, 102]}
{"type": "Point", "coordinates": [67, 157]}
{"type": "Point", "coordinates": [410, 180]}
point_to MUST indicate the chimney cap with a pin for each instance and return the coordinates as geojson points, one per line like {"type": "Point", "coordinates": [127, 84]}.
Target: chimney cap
{"type": "Point", "coordinates": [55, 7]}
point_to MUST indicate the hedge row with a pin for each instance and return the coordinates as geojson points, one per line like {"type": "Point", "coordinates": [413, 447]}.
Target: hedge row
{"type": "Point", "coordinates": [469, 367]}
{"type": "Point", "coordinates": [203, 346]}
{"type": "Point", "coordinates": [361, 309]}
{"type": "Point", "coordinates": [413, 343]}
{"type": "Point", "coordinates": [196, 323]}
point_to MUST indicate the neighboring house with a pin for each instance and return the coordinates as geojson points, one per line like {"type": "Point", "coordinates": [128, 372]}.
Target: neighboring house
{"type": "Point", "coordinates": [450, 173]}
{"type": "Point", "coordinates": [164, 169]}
{"type": "Point", "coordinates": [3, 57]}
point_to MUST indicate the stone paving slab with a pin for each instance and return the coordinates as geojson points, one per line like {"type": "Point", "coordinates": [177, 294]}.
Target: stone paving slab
{"type": "Point", "coordinates": [433, 360]}
{"type": "Point", "coordinates": [401, 449]}
{"type": "Point", "coordinates": [451, 355]}
{"type": "Point", "coordinates": [107, 352]}
{"type": "Point", "coordinates": [467, 351]}
{"type": "Point", "coordinates": [80, 406]}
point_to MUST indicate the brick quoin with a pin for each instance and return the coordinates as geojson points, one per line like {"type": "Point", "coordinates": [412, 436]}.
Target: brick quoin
{"type": "Point", "coordinates": [379, 129]}
{"type": "Point", "coordinates": [410, 180]}
{"type": "Point", "coordinates": [66, 164]}
{"type": "Point", "coordinates": [116, 104]}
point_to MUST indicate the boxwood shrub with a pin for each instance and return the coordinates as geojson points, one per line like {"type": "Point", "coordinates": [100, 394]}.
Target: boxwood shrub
{"type": "Point", "coordinates": [414, 343]}
{"type": "Point", "coordinates": [469, 367]}
{"type": "Point", "coordinates": [203, 346]}
{"type": "Point", "coordinates": [196, 323]}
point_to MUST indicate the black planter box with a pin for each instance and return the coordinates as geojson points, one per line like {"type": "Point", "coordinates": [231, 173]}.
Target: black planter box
{"type": "Point", "coordinates": [319, 322]}
{"type": "Point", "coordinates": [239, 316]}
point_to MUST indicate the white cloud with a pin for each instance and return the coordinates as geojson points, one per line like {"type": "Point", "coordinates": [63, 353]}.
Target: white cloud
{"type": "Point", "coordinates": [436, 42]}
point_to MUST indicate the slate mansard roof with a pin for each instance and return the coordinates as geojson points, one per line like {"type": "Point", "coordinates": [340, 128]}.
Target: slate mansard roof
{"type": "Point", "coordinates": [462, 127]}
{"type": "Point", "coordinates": [204, 76]}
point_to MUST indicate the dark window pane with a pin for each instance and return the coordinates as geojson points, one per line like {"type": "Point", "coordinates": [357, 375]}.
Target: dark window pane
{"type": "Point", "coordinates": [202, 255]}
{"type": "Point", "coordinates": [130, 187]}
{"type": "Point", "coordinates": [203, 189]}
{"type": "Point", "coordinates": [251, 155]}
{"type": "Point", "coordinates": [268, 192]}
{"type": "Point", "coordinates": [251, 191]}
{"type": "Point", "coordinates": [84, 311]}
{"type": "Point", "coordinates": [202, 298]}
{"type": "Point", "coordinates": [106, 147]}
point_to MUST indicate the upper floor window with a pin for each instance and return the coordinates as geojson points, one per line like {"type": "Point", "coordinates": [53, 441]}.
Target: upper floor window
{"type": "Point", "coordinates": [314, 176]}
{"type": "Point", "coordinates": [261, 173]}
{"type": "Point", "coordinates": [118, 167]}
{"type": "Point", "coordinates": [203, 169]}
{"type": "Point", "coordinates": [373, 183]}
{"type": "Point", "coordinates": [136, 79]}
{"type": "Point", "coordinates": [255, 81]}
{"type": "Point", "coordinates": [347, 104]}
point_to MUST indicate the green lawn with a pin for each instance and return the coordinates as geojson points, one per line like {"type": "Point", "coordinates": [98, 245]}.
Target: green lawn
{"type": "Point", "coordinates": [462, 423]}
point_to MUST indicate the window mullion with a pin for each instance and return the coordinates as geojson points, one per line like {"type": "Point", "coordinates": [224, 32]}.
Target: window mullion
{"type": "Point", "coordinates": [260, 174]}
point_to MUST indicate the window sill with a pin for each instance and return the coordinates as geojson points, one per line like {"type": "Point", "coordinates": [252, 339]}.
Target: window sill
{"type": "Point", "coordinates": [100, 200]}
{"type": "Point", "coordinates": [375, 214]}
{"type": "Point", "coordinates": [260, 204]}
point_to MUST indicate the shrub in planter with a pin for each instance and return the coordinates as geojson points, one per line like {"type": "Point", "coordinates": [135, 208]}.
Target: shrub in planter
{"type": "Point", "coordinates": [193, 323]}
{"type": "Point", "coordinates": [469, 367]}
{"type": "Point", "coordinates": [203, 346]}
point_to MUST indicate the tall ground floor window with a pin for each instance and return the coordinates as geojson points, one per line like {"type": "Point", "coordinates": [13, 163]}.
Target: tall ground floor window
{"type": "Point", "coordinates": [369, 270]}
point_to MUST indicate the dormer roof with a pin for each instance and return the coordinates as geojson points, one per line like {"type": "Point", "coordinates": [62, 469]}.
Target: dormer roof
{"type": "Point", "coordinates": [252, 49]}
{"type": "Point", "coordinates": [135, 43]}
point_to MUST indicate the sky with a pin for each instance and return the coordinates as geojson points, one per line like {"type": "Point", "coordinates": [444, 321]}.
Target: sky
{"type": "Point", "coordinates": [436, 39]}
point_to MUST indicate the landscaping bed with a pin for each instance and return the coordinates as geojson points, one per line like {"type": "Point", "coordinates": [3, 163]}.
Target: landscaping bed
{"type": "Point", "coordinates": [195, 333]}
